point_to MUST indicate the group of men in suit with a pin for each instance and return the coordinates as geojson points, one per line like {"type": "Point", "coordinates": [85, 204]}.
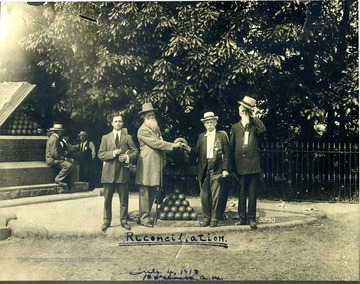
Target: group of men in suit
{"type": "Point", "coordinates": [58, 156]}
{"type": "Point", "coordinates": [117, 157]}
{"type": "Point", "coordinates": [215, 153]}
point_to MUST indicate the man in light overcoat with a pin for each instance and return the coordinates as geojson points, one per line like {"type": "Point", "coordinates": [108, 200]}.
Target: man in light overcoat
{"type": "Point", "coordinates": [117, 150]}
{"type": "Point", "coordinates": [150, 163]}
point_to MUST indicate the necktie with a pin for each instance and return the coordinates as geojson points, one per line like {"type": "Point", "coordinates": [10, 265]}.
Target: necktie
{"type": "Point", "coordinates": [82, 147]}
{"type": "Point", "coordinates": [117, 141]}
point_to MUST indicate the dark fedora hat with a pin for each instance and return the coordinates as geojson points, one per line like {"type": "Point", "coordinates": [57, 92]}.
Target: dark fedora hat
{"type": "Point", "coordinates": [146, 107]}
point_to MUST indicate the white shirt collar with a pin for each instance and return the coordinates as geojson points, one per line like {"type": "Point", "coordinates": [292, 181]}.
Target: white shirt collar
{"type": "Point", "coordinates": [210, 133]}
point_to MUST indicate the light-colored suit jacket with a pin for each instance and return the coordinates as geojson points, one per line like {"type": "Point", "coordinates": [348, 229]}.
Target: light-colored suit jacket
{"type": "Point", "coordinates": [54, 152]}
{"type": "Point", "coordinates": [105, 154]}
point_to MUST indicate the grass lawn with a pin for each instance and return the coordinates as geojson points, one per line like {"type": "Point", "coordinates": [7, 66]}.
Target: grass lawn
{"type": "Point", "coordinates": [325, 250]}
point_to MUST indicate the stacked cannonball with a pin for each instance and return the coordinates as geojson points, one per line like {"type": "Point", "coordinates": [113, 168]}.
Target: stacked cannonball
{"type": "Point", "coordinates": [20, 124]}
{"type": "Point", "coordinates": [176, 207]}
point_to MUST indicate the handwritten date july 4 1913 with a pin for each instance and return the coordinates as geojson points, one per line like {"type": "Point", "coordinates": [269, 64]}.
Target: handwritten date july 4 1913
{"type": "Point", "coordinates": [170, 274]}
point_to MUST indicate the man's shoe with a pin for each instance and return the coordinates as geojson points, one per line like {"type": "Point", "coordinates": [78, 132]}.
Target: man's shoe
{"type": "Point", "coordinates": [204, 223]}
{"type": "Point", "coordinates": [242, 222]}
{"type": "Point", "coordinates": [61, 183]}
{"type": "Point", "coordinates": [148, 224]}
{"type": "Point", "coordinates": [213, 223]}
{"type": "Point", "coordinates": [253, 225]}
{"type": "Point", "coordinates": [224, 217]}
{"type": "Point", "coordinates": [104, 227]}
{"type": "Point", "coordinates": [126, 226]}
{"type": "Point", "coordinates": [151, 220]}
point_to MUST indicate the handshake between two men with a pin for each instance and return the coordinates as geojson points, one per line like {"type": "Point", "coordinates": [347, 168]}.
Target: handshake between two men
{"type": "Point", "coordinates": [182, 144]}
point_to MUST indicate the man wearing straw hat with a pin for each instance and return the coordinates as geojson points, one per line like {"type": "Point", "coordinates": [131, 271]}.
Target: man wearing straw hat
{"type": "Point", "coordinates": [55, 156]}
{"type": "Point", "coordinates": [244, 143]}
{"type": "Point", "coordinates": [213, 150]}
{"type": "Point", "coordinates": [150, 163]}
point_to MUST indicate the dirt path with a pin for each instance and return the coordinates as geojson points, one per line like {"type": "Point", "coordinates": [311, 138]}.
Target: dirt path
{"type": "Point", "coordinates": [325, 250]}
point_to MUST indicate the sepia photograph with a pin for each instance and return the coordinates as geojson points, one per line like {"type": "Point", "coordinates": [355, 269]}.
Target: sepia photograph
{"type": "Point", "coordinates": [213, 141]}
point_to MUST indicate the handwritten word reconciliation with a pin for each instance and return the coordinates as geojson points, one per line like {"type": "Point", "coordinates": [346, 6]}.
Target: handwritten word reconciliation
{"type": "Point", "coordinates": [131, 239]}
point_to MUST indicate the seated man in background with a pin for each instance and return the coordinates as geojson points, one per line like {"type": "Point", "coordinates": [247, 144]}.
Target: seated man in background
{"type": "Point", "coordinates": [55, 155]}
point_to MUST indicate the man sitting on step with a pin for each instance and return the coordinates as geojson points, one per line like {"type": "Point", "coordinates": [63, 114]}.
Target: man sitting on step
{"type": "Point", "coordinates": [55, 156]}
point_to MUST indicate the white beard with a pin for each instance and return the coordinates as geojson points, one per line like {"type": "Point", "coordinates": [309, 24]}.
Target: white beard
{"type": "Point", "coordinates": [152, 123]}
{"type": "Point", "coordinates": [245, 119]}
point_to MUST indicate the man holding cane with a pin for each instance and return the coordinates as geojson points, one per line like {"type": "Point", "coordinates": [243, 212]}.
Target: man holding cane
{"type": "Point", "coordinates": [151, 162]}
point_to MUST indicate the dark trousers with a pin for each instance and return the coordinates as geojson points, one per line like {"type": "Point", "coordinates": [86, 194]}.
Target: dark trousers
{"type": "Point", "coordinates": [225, 188]}
{"type": "Point", "coordinates": [248, 188]}
{"type": "Point", "coordinates": [86, 173]}
{"type": "Point", "coordinates": [146, 200]}
{"type": "Point", "coordinates": [65, 168]}
{"type": "Point", "coordinates": [210, 195]}
{"type": "Point", "coordinates": [123, 190]}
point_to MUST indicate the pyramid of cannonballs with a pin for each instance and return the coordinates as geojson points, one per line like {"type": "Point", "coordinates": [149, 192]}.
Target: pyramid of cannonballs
{"type": "Point", "coordinates": [176, 207]}
{"type": "Point", "coordinates": [20, 124]}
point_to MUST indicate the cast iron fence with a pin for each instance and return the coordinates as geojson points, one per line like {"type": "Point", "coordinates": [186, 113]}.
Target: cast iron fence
{"type": "Point", "coordinates": [298, 171]}
{"type": "Point", "coordinates": [325, 171]}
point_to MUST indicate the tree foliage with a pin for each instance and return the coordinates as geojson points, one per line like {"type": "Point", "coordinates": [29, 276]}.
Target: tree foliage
{"type": "Point", "coordinates": [298, 59]}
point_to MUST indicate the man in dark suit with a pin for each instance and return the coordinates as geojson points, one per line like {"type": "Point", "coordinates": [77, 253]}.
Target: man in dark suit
{"type": "Point", "coordinates": [212, 149]}
{"type": "Point", "coordinates": [86, 154]}
{"type": "Point", "coordinates": [117, 150]}
{"type": "Point", "coordinates": [245, 154]}
{"type": "Point", "coordinates": [55, 155]}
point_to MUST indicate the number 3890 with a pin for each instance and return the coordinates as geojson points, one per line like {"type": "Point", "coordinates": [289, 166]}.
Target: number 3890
{"type": "Point", "coordinates": [266, 220]}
